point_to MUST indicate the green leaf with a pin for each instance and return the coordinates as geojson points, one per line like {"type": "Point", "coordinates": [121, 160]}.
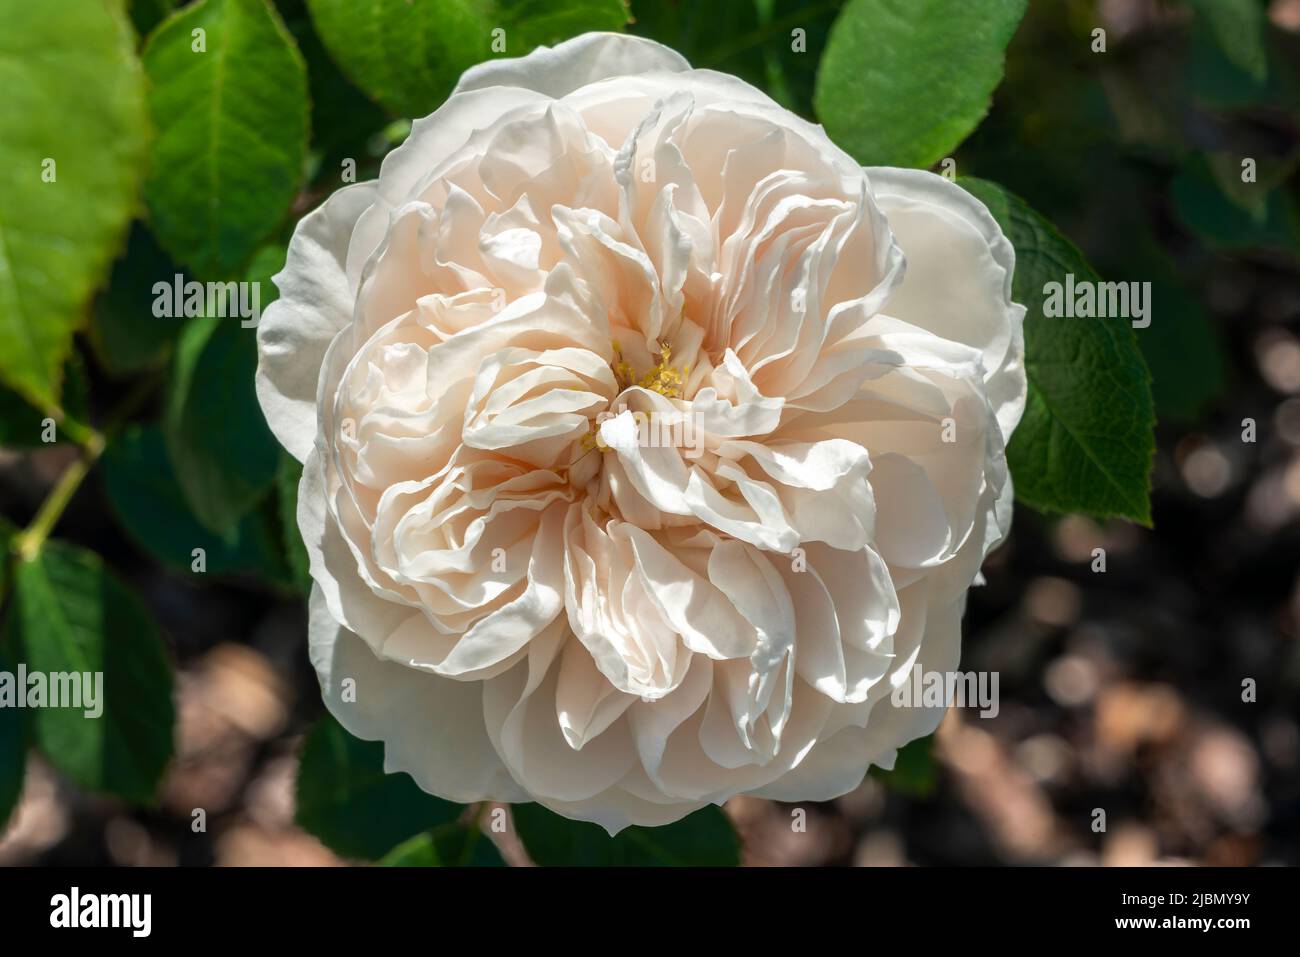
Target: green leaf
{"type": "Point", "coordinates": [224, 455]}
{"type": "Point", "coordinates": [71, 614]}
{"type": "Point", "coordinates": [145, 496]}
{"type": "Point", "coordinates": [286, 482]}
{"type": "Point", "coordinates": [914, 773]}
{"type": "Point", "coordinates": [1086, 441]}
{"type": "Point", "coordinates": [703, 839]}
{"type": "Point", "coordinates": [903, 82]}
{"type": "Point", "coordinates": [347, 801]}
{"type": "Point", "coordinates": [232, 124]}
{"type": "Point", "coordinates": [408, 56]}
{"type": "Point", "coordinates": [74, 95]}
{"type": "Point", "coordinates": [13, 749]}
{"type": "Point", "coordinates": [452, 845]}
{"type": "Point", "coordinates": [124, 331]}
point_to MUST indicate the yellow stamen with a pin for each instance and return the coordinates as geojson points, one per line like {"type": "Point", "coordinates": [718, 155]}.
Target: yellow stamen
{"type": "Point", "coordinates": [663, 378]}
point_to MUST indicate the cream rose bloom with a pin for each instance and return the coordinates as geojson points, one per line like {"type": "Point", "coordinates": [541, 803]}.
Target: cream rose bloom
{"type": "Point", "coordinates": [522, 600]}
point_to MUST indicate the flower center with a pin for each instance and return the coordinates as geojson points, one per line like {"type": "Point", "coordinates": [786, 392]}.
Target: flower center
{"type": "Point", "coordinates": [661, 378]}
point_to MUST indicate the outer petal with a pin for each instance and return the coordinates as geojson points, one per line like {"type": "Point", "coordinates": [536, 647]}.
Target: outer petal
{"type": "Point", "coordinates": [574, 71]}
{"type": "Point", "coordinates": [890, 726]}
{"type": "Point", "coordinates": [559, 70]}
{"type": "Point", "coordinates": [316, 301]}
{"type": "Point", "coordinates": [833, 768]}
{"type": "Point", "coordinates": [618, 808]}
{"type": "Point", "coordinates": [432, 727]}
{"type": "Point", "coordinates": [432, 140]}
{"type": "Point", "coordinates": [958, 280]}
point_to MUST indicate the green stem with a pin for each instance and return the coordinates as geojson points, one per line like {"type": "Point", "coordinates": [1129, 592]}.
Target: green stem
{"type": "Point", "coordinates": [30, 540]}
{"type": "Point", "coordinates": [83, 435]}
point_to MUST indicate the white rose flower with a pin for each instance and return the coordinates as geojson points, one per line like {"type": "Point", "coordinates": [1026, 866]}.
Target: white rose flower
{"type": "Point", "coordinates": [531, 600]}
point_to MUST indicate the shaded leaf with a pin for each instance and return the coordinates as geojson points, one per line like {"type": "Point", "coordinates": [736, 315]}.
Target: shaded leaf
{"type": "Point", "coordinates": [147, 14]}
{"type": "Point", "coordinates": [1181, 348]}
{"type": "Point", "coordinates": [1223, 224]}
{"type": "Point", "coordinates": [126, 334]}
{"type": "Point", "coordinates": [1238, 28]}
{"type": "Point", "coordinates": [224, 455]}
{"type": "Point", "coordinates": [452, 845]}
{"type": "Point", "coordinates": [703, 839]}
{"type": "Point", "coordinates": [147, 499]}
{"type": "Point", "coordinates": [752, 39]}
{"type": "Point", "coordinates": [1181, 345]}
{"type": "Point", "coordinates": [347, 801]}
{"type": "Point", "coordinates": [342, 117]}
{"type": "Point", "coordinates": [22, 425]}
{"type": "Point", "coordinates": [13, 748]}
{"type": "Point", "coordinates": [13, 731]}
{"type": "Point", "coordinates": [914, 773]}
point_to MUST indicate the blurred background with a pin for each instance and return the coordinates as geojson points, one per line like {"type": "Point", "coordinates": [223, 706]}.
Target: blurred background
{"type": "Point", "coordinates": [1120, 691]}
